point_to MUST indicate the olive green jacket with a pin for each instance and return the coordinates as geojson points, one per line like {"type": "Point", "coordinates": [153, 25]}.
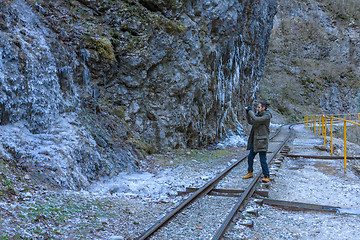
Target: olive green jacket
{"type": "Point", "coordinates": [260, 130]}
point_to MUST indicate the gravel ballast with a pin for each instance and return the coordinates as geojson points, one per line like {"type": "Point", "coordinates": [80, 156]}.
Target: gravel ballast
{"type": "Point", "coordinates": [126, 206]}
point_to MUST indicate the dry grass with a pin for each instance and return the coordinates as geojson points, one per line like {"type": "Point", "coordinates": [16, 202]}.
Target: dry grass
{"type": "Point", "coordinates": [304, 64]}
{"type": "Point", "coordinates": [347, 10]}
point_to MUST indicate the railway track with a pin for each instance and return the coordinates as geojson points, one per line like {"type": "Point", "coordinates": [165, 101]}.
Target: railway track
{"type": "Point", "coordinates": [277, 143]}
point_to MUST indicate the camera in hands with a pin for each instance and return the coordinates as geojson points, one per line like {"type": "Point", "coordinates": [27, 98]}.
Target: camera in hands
{"type": "Point", "coordinates": [248, 108]}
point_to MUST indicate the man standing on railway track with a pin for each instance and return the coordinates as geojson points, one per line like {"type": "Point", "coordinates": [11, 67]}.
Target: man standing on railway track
{"type": "Point", "coordinates": [258, 141]}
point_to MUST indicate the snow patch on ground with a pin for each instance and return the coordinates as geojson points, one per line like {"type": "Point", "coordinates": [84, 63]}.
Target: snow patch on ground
{"type": "Point", "coordinates": [275, 125]}
{"type": "Point", "coordinates": [141, 185]}
{"type": "Point", "coordinates": [148, 186]}
{"type": "Point", "coordinates": [313, 181]}
{"type": "Point", "coordinates": [309, 185]}
{"type": "Point", "coordinates": [232, 141]}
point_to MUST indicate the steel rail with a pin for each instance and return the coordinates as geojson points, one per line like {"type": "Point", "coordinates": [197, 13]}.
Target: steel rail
{"type": "Point", "coordinates": [275, 133]}
{"type": "Point", "coordinates": [202, 191]}
{"type": "Point", "coordinates": [199, 193]}
{"type": "Point", "coordinates": [246, 195]}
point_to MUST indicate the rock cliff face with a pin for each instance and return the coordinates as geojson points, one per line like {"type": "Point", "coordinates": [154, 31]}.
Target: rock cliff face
{"type": "Point", "coordinates": [89, 86]}
{"type": "Point", "coordinates": [314, 58]}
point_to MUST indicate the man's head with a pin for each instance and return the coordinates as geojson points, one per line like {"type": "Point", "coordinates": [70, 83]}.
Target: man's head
{"type": "Point", "coordinates": [262, 106]}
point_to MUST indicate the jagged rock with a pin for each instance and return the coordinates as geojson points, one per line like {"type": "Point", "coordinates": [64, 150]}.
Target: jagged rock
{"type": "Point", "coordinates": [139, 77]}
{"type": "Point", "coordinates": [312, 65]}
{"type": "Point", "coordinates": [320, 147]}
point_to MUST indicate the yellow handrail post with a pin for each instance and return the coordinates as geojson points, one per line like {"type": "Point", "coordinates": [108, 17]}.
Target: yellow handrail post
{"type": "Point", "coordinates": [344, 146]}
{"type": "Point", "coordinates": [332, 148]}
{"type": "Point", "coordinates": [325, 132]}
{"type": "Point", "coordinates": [319, 126]}
{"type": "Point", "coordinates": [307, 121]}
{"type": "Point", "coordinates": [321, 131]}
{"type": "Point", "coordinates": [314, 123]}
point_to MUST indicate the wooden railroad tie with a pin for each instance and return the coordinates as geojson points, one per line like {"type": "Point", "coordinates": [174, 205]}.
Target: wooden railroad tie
{"type": "Point", "coordinates": [225, 192]}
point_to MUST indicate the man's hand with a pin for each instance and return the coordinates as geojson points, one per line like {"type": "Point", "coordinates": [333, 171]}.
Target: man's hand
{"type": "Point", "coordinates": [248, 108]}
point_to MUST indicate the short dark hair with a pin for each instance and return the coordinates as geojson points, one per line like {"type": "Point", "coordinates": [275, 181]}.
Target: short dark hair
{"type": "Point", "coordinates": [265, 104]}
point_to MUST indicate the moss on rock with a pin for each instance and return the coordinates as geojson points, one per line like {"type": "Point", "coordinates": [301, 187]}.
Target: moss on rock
{"type": "Point", "coordinates": [105, 49]}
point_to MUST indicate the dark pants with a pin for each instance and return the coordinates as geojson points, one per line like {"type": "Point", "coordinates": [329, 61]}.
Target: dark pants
{"type": "Point", "coordinates": [264, 165]}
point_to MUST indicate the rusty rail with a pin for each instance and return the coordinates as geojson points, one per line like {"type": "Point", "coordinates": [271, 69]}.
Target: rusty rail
{"type": "Point", "coordinates": [208, 187]}
{"type": "Point", "coordinates": [199, 193]}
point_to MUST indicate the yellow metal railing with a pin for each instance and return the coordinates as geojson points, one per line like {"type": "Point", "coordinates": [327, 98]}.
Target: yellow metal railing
{"type": "Point", "coordinates": [321, 121]}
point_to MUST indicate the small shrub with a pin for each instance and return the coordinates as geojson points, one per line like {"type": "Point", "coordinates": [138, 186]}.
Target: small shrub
{"type": "Point", "coordinates": [347, 10]}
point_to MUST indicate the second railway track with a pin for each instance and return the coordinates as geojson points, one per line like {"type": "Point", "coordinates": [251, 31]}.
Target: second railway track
{"type": "Point", "coordinates": [214, 215]}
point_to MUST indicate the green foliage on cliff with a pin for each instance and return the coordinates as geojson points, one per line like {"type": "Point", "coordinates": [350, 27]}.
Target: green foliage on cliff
{"type": "Point", "coordinates": [6, 184]}
{"type": "Point", "coordinates": [109, 27]}
{"type": "Point", "coordinates": [104, 47]}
